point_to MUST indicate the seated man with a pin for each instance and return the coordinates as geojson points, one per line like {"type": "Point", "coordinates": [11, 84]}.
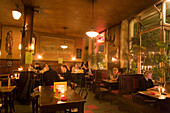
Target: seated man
{"type": "Point", "coordinates": [146, 83]}
{"type": "Point", "coordinates": [37, 67]}
{"type": "Point", "coordinates": [49, 77]}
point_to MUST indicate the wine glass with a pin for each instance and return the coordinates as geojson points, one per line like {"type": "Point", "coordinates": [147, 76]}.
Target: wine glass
{"type": "Point", "coordinates": [161, 89]}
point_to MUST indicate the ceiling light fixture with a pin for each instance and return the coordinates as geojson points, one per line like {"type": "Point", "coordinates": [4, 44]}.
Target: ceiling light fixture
{"type": "Point", "coordinates": [64, 46]}
{"type": "Point", "coordinates": [92, 33]}
{"type": "Point", "coordinates": [16, 13]}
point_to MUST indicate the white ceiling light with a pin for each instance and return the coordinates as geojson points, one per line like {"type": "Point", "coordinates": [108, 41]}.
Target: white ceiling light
{"type": "Point", "coordinates": [64, 46]}
{"type": "Point", "coordinates": [16, 13]}
{"type": "Point", "coordinates": [92, 33]}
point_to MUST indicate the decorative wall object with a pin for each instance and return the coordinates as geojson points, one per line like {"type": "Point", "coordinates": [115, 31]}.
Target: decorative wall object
{"type": "Point", "coordinates": [78, 53]}
{"type": "Point", "coordinates": [11, 38]}
{"type": "Point", "coordinates": [50, 48]}
{"type": "Point", "coordinates": [9, 63]}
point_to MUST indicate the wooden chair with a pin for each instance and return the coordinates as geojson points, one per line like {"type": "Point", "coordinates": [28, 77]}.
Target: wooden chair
{"type": "Point", "coordinates": [34, 98]}
{"type": "Point", "coordinates": [83, 93]}
{"type": "Point", "coordinates": [100, 92]}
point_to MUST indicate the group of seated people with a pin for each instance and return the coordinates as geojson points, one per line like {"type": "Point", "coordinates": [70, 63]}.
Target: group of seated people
{"type": "Point", "coordinates": [83, 69]}
{"type": "Point", "coordinates": [49, 75]}
{"type": "Point", "coordinates": [145, 83]}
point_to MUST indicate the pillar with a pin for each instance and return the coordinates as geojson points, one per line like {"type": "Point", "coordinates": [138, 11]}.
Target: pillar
{"type": "Point", "coordinates": [26, 34]}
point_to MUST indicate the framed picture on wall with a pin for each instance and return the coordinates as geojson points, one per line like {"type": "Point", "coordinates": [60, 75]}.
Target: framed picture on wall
{"type": "Point", "coordinates": [78, 53]}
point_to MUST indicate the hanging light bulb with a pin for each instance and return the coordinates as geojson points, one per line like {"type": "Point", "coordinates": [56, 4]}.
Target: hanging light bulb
{"type": "Point", "coordinates": [16, 13]}
{"type": "Point", "coordinates": [64, 46]}
{"type": "Point", "coordinates": [92, 33]}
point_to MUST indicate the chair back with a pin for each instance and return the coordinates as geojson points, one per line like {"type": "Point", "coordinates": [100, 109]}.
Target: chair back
{"type": "Point", "coordinates": [101, 74]}
{"type": "Point", "coordinates": [83, 93]}
{"type": "Point", "coordinates": [129, 83]}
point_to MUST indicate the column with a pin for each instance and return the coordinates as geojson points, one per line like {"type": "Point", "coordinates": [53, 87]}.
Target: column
{"type": "Point", "coordinates": [26, 34]}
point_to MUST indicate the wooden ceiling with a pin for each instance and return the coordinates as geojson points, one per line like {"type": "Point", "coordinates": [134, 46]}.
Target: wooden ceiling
{"type": "Point", "coordinates": [74, 14]}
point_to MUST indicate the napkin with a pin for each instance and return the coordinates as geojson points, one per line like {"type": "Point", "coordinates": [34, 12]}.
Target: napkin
{"type": "Point", "coordinates": [152, 93]}
{"type": "Point", "coordinates": [63, 98]}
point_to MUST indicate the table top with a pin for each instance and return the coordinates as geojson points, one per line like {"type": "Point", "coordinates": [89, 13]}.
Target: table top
{"type": "Point", "coordinates": [155, 94]}
{"type": "Point", "coordinates": [4, 75]}
{"type": "Point", "coordinates": [6, 89]}
{"type": "Point", "coordinates": [47, 96]}
{"type": "Point", "coordinates": [110, 81]}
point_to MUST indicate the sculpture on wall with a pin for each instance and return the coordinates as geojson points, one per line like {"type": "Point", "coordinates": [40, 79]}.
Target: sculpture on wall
{"type": "Point", "coordinates": [9, 43]}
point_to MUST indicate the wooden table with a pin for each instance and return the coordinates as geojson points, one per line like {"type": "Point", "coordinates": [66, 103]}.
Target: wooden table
{"type": "Point", "coordinates": [48, 102]}
{"type": "Point", "coordinates": [156, 94]}
{"type": "Point", "coordinates": [6, 92]}
{"type": "Point", "coordinates": [110, 83]}
{"type": "Point", "coordinates": [162, 101]}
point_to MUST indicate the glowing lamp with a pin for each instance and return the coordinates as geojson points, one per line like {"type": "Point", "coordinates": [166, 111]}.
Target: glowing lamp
{"type": "Point", "coordinates": [16, 14]}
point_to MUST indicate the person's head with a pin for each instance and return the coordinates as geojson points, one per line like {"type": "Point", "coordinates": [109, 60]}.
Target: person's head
{"type": "Point", "coordinates": [65, 68]}
{"type": "Point", "coordinates": [148, 74]}
{"type": "Point", "coordinates": [76, 66]}
{"type": "Point", "coordinates": [115, 71]}
{"type": "Point", "coordinates": [46, 65]}
{"type": "Point", "coordinates": [37, 64]}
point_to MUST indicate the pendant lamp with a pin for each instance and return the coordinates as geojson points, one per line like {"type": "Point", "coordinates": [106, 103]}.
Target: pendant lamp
{"type": "Point", "coordinates": [16, 13]}
{"type": "Point", "coordinates": [63, 45]}
{"type": "Point", "coordinates": [91, 32]}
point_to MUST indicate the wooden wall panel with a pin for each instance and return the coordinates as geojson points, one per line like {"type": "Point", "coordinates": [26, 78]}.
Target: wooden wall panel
{"type": "Point", "coordinates": [16, 64]}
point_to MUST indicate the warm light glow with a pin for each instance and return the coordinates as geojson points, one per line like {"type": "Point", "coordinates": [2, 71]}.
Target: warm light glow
{"type": "Point", "coordinates": [15, 74]}
{"type": "Point", "coordinates": [32, 47]}
{"type": "Point", "coordinates": [16, 14]}
{"type": "Point", "coordinates": [20, 68]}
{"type": "Point", "coordinates": [73, 58]}
{"type": "Point", "coordinates": [0, 53]}
{"type": "Point", "coordinates": [62, 91]}
{"type": "Point", "coordinates": [161, 90]}
{"type": "Point", "coordinates": [167, 0]}
{"type": "Point", "coordinates": [92, 33]}
{"type": "Point", "coordinates": [64, 46]}
{"type": "Point", "coordinates": [39, 56]}
{"type": "Point", "coordinates": [19, 46]}
{"type": "Point", "coordinates": [113, 59]}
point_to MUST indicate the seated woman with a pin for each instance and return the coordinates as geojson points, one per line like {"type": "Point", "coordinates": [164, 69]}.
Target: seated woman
{"type": "Point", "coordinates": [46, 68]}
{"type": "Point", "coordinates": [85, 69]}
{"type": "Point", "coordinates": [75, 68]}
{"type": "Point", "coordinates": [146, 83]}
{"type": "Point", "coordinates": [114, 75]}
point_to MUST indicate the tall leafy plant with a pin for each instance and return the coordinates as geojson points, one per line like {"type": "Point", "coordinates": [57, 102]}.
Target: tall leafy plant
{"type": "Point", "coordinates": [162, 59]}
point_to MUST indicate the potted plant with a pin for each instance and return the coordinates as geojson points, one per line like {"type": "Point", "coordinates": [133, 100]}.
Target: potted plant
{"type": "Point", "coordinates": [161, 70]}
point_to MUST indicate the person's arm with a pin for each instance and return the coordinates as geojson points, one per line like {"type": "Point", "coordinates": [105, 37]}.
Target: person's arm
{"type": "Point", "coordinates": [108, 77]}
{"type": "Point", "coordinates": [152, 87]}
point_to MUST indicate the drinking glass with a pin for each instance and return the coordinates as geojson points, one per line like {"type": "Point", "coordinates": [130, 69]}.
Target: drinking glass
{"type": "Point", "coordinates": [161, 90]}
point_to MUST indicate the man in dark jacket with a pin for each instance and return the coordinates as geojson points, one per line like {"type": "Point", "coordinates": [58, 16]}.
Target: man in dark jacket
{"type": "Point", "coordinates": [49, 77]}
